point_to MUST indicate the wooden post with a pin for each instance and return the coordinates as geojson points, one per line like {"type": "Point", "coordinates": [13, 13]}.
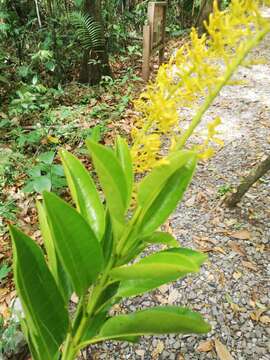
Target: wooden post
{"type": "Point", "coordinates": [151, 19]}
{"type": "Point", "coordinates": [154, 34]}
{"type": "Point", "coordinates": [161, 51]}
{"type": "Point", "coordinates": [146, 52]}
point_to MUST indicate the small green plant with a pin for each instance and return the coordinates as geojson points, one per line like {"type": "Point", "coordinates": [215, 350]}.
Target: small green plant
{"type": "Point", "coordinates": [45, 175]}
{"type": "Point", "coordinates": [7, 211]}
{"type": "Point", "coordinates": [11, 338]}
{"type": "Point", "coordinates": [94, 251]}
{"type": "Point", "coordinates": [33, 97]}
{"type": "Point", "coordinates": [224, 189]}
{"type": "Point", "coordinates": [4, 271]}
{"type": "Point", "coordinates": [7, 340]}
{"type": "Point", "coordinates": [31, 138]}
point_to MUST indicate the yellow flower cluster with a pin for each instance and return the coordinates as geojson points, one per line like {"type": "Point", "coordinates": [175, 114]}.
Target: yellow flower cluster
{"type": "Point", "coordinates": [170, 109]}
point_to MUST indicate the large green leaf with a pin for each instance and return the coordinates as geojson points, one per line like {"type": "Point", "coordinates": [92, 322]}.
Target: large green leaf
{"type": "Point", "coordinates": [111, 177]}
{"type": "Point", "coordinates": [84, 193]}
{"type": "Point", "coordinates": [167, 199]}
{"type": "Point", "coordinates": [140, 286]}
{"type": "Point", "coordinates": [160, 237]}
{"type": "Point", "coordinates": [196, 256]}
{"type": "Point", "coordinates": [107, 240]}
{"type": "Point", "coordinates": [157, 320]}
{"type": "Point", "coordinates": [158, 266]}
{"type": "Point", "coordinates": [45, 312]}
{"type": "Point", "coordinates": [47, 239]}
{"type": "Point", "coordinates": [152, 184]}
{"type": "Point", "coordinates": [123, 154]}
{"type": "Point", "coordinates": [54, 264]}
{"type": "Point", "coordinates": [77, 246]}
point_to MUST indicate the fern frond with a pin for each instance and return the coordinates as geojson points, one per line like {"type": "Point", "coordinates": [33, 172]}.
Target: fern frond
{"type": "Point", "coordinates": [88, 31]}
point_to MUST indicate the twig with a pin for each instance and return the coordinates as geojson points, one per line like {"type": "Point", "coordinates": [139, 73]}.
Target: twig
{"type": "Point", "coordinates": [38, 15]}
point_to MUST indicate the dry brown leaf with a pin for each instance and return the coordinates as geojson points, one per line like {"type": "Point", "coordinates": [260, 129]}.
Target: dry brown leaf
{"type": "Point", "coordinates": [205, 249]}
{"type": "Point", "coordinates": [180, 357]}
{"type": "Point", "coordinates": [257, 314]}
{"type": "Point", "coordinates": [158, 350]}
{"type": "Point", "coordinates": [241, 235]}
{"type": "Point", "coordinates": [3, 293]}
{"type": "Point", "coordinates": [202, 239]}
{"type": "Point", "coordinates": [191, 201]}
{"type": "Point", "coordinates": [10, 296]}
{"type": "Point", "coordinates": [205, 346]}
{"type": "Point", "coordinates": [222, 351]}
{"type": "Point", "coordinates": [221, 279]}
{"type": "Point", "coordinates": [236, 308]}
{"type": "Point", "coordinates": [265, 319]}
{"type": "Point", "coordinates": [260, 248]}
{"type": "Point", "coordinates": [249, 265]}
{"type": "Point", "coordinates": [5, 311]}
{"type": "Point", "coordinates": [237, 248]}
{"type": "Point", "coordinates": [201, 197]}
{"type": "Point", "coordinates": [219, 249]}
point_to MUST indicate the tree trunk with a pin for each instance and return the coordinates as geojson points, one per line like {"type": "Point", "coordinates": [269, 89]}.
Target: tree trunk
{"type": "Point", "coordinates": [247, 182]}
{"type": "Point", "coordinates": [95, 64]}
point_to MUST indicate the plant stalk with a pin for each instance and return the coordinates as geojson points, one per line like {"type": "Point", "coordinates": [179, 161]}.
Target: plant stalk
{"type": "Point", "coordinates": [71, 347]}
{"type": "Point", "coordinates": [212, 96]}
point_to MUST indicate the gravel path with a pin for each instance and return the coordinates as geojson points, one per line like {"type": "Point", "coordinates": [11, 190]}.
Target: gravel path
{"type": "Point", "coordinates": [232, 289]}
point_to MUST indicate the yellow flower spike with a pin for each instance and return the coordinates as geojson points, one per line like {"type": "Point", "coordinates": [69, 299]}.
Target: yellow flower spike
{"type": "Point", "coordinates": [207, 154]}
{"type": "Point", "coordinates": [192, 79]}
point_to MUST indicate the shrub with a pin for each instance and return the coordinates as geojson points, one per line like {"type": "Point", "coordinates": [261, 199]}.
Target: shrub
{"type": "Point", "coordinates": [94, 251]}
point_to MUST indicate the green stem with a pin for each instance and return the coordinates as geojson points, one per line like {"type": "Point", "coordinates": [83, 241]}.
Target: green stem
{"type": "Point", "coordinates": [211, 97]}
{"type": "Point", "coordinates": [71, 347]}
{"type": "Point", "coordinates": [123, 244]}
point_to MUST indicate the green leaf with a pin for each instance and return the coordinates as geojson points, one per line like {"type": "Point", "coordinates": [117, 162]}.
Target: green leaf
{"type": "Point", "coordinates": [123, 154]}
{"type": "Point", "coordinates": [152, 184]}
{"type": "Point", "coordinates": [95, 324]}
{"type": "Point", "coordinates": [159, 266]}
{"type": "Point", "coordinates": [78, 3]}
{"type": "Point", "coordinates": [76, 244]}
{"type": "Point", "coordinates": [136, 287]}
{"type": "Point", "coordinates": [166, 201]}
{"type": "Point", "coordinates": [35, 171]}
{"type": "Point", "coordinates": [4, 271]}
{"type": "Point", "coordinates": [34, 348]}
{"type": "Point", "coordinates": [57, 170]}
{"type": "Point", "coordinates": [47, 239]}
{"type": "Point", "coordinates": [84, 193]}
{"type": "Point", "coordinates": [53, 260]}
{"type": "Point", "coordinates": [107, 240]}
{"type": "Point", "coordinates": [41, 184]}
{"type": "Point", "coordinates": [157, 320]}
{"type": "Point", "coordinates": [160, 237]}
{"type": "Point", "coordinates": [43, 305]}
{"type": "Point", "coordinates": [29, 187]}
{"type": "Point", "coordinates": [198, 257]}
{"type": "Point", "coordinates": [111, 177]}
{"type": "Point", "coordinates": [46, 157]}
